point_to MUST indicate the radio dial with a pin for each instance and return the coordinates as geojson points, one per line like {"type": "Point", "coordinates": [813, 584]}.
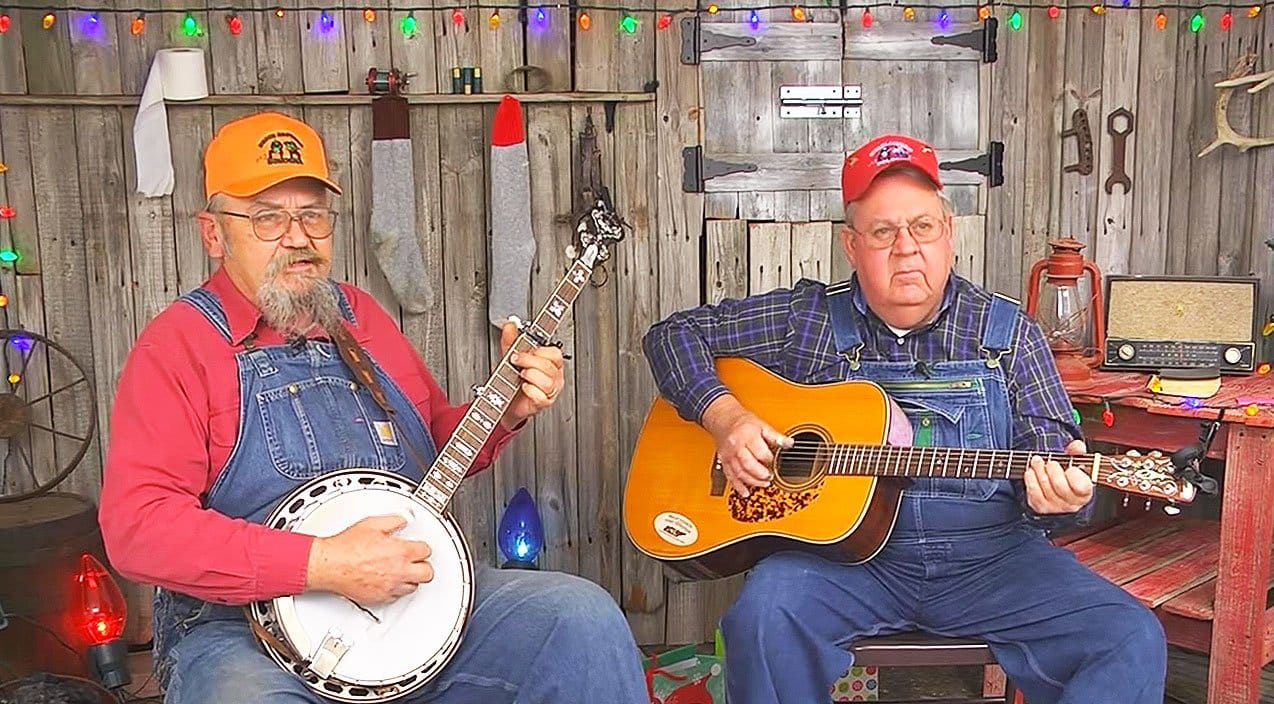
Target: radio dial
{"type": "Point", "coordinates": [1233, 355]}
{"type": "Point", "coordinates": [1126, 351]}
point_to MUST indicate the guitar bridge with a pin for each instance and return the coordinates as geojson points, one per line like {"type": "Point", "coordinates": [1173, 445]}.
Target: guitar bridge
{"type": "Point", "coordinates": [329, 653]}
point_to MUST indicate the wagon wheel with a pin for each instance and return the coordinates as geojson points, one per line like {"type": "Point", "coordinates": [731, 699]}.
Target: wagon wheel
{"type": "Point", "coordinates": [48, 414]}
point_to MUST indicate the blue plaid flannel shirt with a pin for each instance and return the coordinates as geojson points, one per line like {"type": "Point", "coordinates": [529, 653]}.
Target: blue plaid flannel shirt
{"type": "Point", "coordinates": [788, 331]}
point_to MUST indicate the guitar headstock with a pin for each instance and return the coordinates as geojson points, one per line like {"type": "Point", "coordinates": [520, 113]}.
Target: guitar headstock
{"type": "Point", "coordinates": [1152, 475]}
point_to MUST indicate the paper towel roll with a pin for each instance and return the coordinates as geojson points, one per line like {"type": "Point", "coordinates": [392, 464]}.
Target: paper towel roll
{"type": "Point", "coordinates": [175, 74]}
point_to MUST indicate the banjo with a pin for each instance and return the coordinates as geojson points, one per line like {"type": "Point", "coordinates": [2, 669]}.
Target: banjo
{"type": "Point", "coordinates": [353, 652]}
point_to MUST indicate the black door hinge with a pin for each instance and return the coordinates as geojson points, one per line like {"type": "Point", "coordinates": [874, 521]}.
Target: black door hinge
{"type": "Point", "coordinates": [696, 169]}
{"type": "Point", "coordinates": [980, 40]}
{"type": "Point", "coordinates": [989, 164]}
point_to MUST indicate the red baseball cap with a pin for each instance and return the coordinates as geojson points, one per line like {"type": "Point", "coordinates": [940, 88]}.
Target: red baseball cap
{"type": "Point", "coordinates": [882, 153]}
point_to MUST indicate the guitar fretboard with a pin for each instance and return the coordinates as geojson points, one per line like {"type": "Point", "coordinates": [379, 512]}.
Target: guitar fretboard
{"type": "Point", "coordinates": [457, 457]}
{"type": "Point", "coordinates": [955, 463]}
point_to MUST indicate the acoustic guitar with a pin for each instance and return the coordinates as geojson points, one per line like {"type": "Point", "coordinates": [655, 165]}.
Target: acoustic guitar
{"type": "Point", "coordinates": [835, 492]}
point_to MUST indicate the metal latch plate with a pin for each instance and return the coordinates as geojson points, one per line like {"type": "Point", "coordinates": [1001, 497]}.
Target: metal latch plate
{"type": "Point", "coordinates": [821, 101]}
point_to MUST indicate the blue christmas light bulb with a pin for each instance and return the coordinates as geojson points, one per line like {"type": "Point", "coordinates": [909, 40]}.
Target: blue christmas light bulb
{"type": "Point", "coordinates": [520, 536]}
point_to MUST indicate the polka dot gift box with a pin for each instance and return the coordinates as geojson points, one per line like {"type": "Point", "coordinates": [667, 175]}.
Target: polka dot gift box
{"type": "Point", "coordinates": [859, 684]}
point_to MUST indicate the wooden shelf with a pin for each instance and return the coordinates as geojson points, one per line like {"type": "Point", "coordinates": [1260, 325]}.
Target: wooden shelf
{"type": "Point", "coordinates": [323, 99]}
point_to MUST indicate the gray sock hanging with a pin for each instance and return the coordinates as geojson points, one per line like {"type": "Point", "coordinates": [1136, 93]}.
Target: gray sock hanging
{"type": "Point", "coordinates": [394, 236]}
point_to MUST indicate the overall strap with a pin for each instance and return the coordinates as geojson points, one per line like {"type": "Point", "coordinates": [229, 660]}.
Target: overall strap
{"type": "Point", "coordinates": [998, 327]}
{"type": "Point", "coordinates": [347, 312]}
{"type": "Point", "coordinates": [206, 302]}
{"type": "Point", "coordinates": [840, 308]}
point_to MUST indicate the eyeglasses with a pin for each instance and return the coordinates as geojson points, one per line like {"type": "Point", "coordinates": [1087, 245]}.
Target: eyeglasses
{"type": "Point", "coordinates": [924, 229]}
{"type": "Point", "coordinates": [271, 225]}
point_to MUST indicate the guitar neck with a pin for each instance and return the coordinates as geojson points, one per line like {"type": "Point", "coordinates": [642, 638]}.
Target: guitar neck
{"type": "Point", "coordinates": [951, 462]}
{"type": "Point", "coordinates": [492, 399]}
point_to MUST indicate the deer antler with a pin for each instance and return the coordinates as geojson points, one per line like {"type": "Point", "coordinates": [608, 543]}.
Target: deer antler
{"type": "Point", "coordinates": [1225, 134]}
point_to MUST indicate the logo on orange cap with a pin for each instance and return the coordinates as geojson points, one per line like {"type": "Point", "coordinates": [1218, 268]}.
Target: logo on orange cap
{"type": "Point", "coordinates": [262, 150]}
{"type": "Point", "coordinates": [882, 153]}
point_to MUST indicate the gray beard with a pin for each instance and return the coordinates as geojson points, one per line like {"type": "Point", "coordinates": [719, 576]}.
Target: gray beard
{"type": "Point", "coordinates": [294, 303]}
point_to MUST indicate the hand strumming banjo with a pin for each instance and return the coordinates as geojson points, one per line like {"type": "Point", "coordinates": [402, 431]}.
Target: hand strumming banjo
{"type": "Point", "coordinates": [356, 653]}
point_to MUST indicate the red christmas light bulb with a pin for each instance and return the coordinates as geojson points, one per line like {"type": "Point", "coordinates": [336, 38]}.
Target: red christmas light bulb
{"type": "Point", "coordinates": [457, 17]}
{"type": "Point", "coordinates": [6, 212]}
{"type": "Point", "coordinates": [664, 21]}
{"type": "Point", "coordinates": [235, 24]}
{"type": "Point", "coordinates": [1226, 20]}
{"type": "Point", "coordinates": [102, 606]}
{"type": "Point", "coordinates": [1054, 12]}
{"type": "Point", "coordinates": [867, 19]}
{"type": "Point", "coordinates": [4, 23]}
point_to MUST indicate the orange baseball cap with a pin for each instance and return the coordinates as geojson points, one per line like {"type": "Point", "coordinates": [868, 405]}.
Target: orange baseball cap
{"type": "Point", "coordinates": [253, 153]}
{"type": "Point", "coordinates": [882, 153]}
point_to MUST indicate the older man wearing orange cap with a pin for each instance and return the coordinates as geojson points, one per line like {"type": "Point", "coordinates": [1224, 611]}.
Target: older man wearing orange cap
{"type": "Point", "coordinates": [236, 394]}
{"type": "Point", "coordinates": [967, 557]}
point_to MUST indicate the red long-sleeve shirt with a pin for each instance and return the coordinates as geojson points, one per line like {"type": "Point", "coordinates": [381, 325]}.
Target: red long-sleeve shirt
{"type": "Point", "coordinates": [173, 425]}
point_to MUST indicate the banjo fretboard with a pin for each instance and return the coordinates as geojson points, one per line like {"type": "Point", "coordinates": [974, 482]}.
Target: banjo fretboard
{"type": "Point", "coordinates": [492, 399]}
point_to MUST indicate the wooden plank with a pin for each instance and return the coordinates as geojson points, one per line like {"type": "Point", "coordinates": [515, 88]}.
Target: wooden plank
{"type": "Point", "coordinates": [597, 400]}
{"type": "Point", "coordinates": [500, 54]}
{"type": "Point", "coordinates": [324, 56]}
{"type": "Point", "coordinates": [367, 45]}
{"type": "Point", "coordinates": [94, 51]}
{"type": "Point", "coordinates": [769, 256]}
{"type": "Point", "coordinates": [233, 59]}
{"type": "Point", "coordinates": [811, 170]}
{"type": "Point", "coordinates": [609, 58]}
{"type": "Point", "coordinates": [1158, 587]}
{"type": "Point", "coordinates": [1042, 166]}
{"type": "Point", "coordinates": [456, 46]}
{"type": "Point", "coordinates": [1121, 50]}
{"type": "Point", "coordinates": [970, 247]}
{"type": "Point", "coordinates": [427, 330]}
{"type": "Point", "coordinates": [100, 151]}
{"type": "Point", "coordinates": [813, 249]}
{"type": "Point", "coordinates": [65, 274]}
{"type": "Point", "coordinates": [1153, 175]}
{"type": "Point", "coordinates": [13, 67]}
{"type": "Point", "coordinates": [637, 271]}
{"type": "Point", "coordinates": [1005, 213]}
{"type": "Point", "coordinates": [556, 474]}
{"type": "Point", "coordinates": [779, 41]}
{"type": "Point", "coordinates": [907, 41]}
{"type": "Point", "coordinates": [414, 53]}
{"type": "Point", "coordinates": [152, 244]}
{"type": "Point", "coordinates": [1204, 206]}
{"type": "Point", "coordinates": [21, 228]}
{"type": "Point", "coordinates": [464, 250]}
{"type": "Point", "coordinates": [279, 68]}
{"type": "Point", "coordinates": [726, 244]}
{"type": "Point", "coordinates": [803, 135]}
{"type": "Point", "coordinates": [548, 46]}
{"type": "Point", "coordinates": [194, 124]}
{"type": "Point", "coordinates": [1244, 568]}
{"type": "Point", "coordinates": [1260, 245]}
{"type": "Point", "coordinates": [332, 124]}
{"type": "Point", "coordinates": [1101, 546]}
{"type": "Point", "coordinates": [1150, 557]}
{"type": "Point", "coordinates": [364, 268]}
{"type": "Point", "coordinates": [50, 67]}
{"type": "Point", "coordinates": [1077, 213]}
{"type": "Point", "coordinates": [721, 206]}
{"type": "Point", "coordinates": [1237, 168]}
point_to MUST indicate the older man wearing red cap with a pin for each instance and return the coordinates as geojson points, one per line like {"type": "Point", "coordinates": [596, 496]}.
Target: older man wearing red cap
{"type": "Point", "coordinates": [238, 392]}
{"type": "Point", "coordinates": [968, 368]}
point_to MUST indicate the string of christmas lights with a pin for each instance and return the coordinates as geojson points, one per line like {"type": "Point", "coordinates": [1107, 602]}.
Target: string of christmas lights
{"type": "Point", "coordinates": [538, 16]}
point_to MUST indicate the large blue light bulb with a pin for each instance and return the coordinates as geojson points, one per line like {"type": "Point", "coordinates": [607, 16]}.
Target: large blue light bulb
{"type": "Point", "coordinates": [521, 535]}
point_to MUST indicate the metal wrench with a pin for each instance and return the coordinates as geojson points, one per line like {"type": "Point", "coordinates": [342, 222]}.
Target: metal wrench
{"type": "Point", "coordinates": [1117, 173]}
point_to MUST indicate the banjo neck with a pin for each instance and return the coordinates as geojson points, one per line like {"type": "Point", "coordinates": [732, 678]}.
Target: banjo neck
{"type": "Point", "coordinates": [492, 399]}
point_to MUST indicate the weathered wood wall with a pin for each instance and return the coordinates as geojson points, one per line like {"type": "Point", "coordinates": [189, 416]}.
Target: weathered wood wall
{"type": "Point", "coordinates": [98, 260]}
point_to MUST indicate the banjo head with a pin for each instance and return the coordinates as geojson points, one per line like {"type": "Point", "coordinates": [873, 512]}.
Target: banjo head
{"type": "Point", "coordinates": [371, 652]}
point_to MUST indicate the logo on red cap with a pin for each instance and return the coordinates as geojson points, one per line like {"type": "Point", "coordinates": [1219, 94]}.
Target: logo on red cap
{"type": "Point", "coordinates": [890, 152]}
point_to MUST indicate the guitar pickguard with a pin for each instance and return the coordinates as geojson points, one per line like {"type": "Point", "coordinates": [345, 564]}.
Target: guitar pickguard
{"type": "Point", "coordinates": [769, 503]}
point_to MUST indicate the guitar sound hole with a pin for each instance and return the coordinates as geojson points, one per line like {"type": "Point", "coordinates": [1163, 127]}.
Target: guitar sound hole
{"type": "Point", "coordinates": [803, 460]}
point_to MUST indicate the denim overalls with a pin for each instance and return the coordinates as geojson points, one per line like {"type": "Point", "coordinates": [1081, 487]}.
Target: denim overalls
{"type": "Point", "coordinates": [962, 561]}
{"type": "Point", "coordinates": [301, 415]}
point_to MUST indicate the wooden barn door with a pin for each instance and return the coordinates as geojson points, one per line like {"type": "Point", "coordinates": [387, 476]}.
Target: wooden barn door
{"type": "Point", "coordinates": [783, 101]}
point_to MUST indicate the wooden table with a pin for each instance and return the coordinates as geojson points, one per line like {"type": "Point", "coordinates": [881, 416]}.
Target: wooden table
{"type": "Point", "coordinates": [1206, 580]}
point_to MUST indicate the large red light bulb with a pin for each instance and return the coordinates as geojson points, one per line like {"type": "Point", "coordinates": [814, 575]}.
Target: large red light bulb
{"type": "Point", "coordinates": [102, 608]}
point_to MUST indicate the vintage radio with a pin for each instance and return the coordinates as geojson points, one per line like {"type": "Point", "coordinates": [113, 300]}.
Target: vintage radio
{"type": "Point", "coordinates": [1178, 322]}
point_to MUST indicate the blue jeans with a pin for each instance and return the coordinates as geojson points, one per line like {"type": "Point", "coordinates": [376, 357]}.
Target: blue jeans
{"type": "Point", "coordinates": [534, 637]}
{"type": "Point", "coordinates": [1064, 634]}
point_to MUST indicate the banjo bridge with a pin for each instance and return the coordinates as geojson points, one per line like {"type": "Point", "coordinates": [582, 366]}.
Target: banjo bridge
{"type": "Point", "coordinates": [329, 653]}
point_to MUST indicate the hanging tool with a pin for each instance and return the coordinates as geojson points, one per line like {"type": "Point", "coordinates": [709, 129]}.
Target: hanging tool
{"type": "Point", "coordinates": [1083, 143]}
{"type": "Point", "coordinates": [1117, 173]}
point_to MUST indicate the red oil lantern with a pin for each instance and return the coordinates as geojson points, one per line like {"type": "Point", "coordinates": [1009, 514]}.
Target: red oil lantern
{"type": "Point", "coordinates": [1071, 315]}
